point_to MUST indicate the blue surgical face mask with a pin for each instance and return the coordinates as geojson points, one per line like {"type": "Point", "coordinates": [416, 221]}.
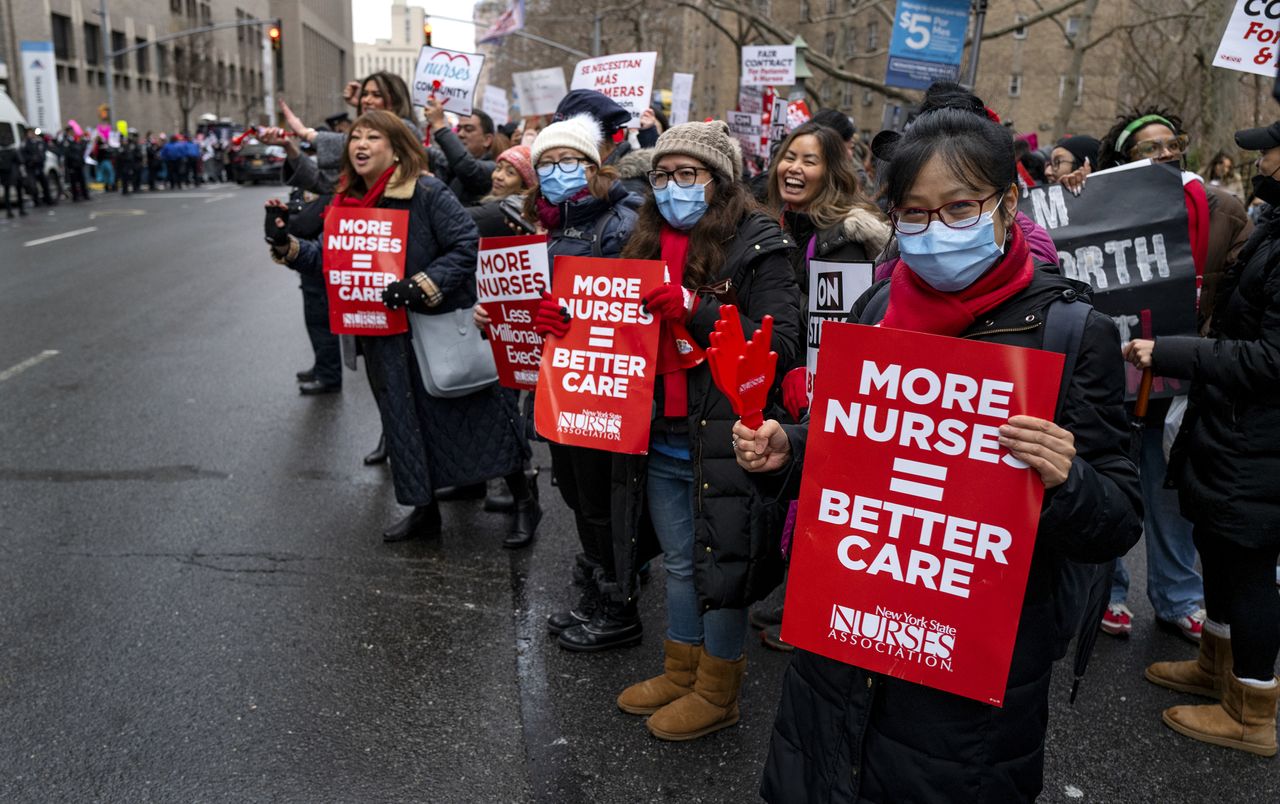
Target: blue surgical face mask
{"type": "Point", "coordinates": [682, 207]}
{"type": "Point", "coordinates": [560, 186]}
{"type": "Point", "coordinates": [951, 259]}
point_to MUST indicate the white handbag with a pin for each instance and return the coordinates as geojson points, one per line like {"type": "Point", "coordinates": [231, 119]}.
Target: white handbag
{"type": "Point", "coordinates": [452, 357]}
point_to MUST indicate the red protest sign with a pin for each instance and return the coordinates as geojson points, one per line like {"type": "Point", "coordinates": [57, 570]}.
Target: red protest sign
{"type": "Point", "coordinates": [511, 274]}
{"type": "Point", "coordinates": [915, 529]}
{"type": "Point", "coordinates": [363, 253]}
{"type": "Point", "coordinates": [595, 385]}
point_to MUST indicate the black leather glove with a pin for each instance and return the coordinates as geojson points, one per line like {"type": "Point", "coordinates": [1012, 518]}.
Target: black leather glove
{"type": "Point", "coordinates": [276, 226]}
{"type": "Point", "coordinates": [403, 293]}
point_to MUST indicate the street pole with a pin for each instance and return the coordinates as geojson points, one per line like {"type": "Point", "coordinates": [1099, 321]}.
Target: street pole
{"type": "Point", "coordinates": [975, 49]}
{"type": "Point", "coordinates": [269, 79]}
{"type": "Point", "coordinates": [596, 35]}
{"type": "Point", "coordinates": [106, 55]}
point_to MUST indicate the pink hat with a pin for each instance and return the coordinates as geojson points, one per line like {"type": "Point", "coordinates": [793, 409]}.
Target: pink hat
{"type": "Point", "coordinates": [518, 156]}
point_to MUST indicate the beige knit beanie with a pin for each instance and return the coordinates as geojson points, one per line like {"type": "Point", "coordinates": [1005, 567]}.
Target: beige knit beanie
{"type": "Point", "coordinates": [709, 143]}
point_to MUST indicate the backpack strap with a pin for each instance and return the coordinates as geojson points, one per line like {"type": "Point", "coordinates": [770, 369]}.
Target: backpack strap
{"type": "Point", "coordinates": [1063, 333]}
{"type": "Point", "coordinates": [597, 233]}
{"type": "Point", "coordinates": [876, 307]}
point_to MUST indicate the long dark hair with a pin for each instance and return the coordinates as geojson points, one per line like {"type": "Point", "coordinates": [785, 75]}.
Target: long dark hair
{"type": "Point", "coordinates": [395, 93]}
{"type": "Point", "coordinates": [840, 194]}
{"type": "Point", "coordinates": [410, 154]}
{"type": "Point", "coordinates": [1108, 156]}
{"type": "Point", "coordinates": [976, 150]}
{"type": "Point", "coordinates": [731, 201]}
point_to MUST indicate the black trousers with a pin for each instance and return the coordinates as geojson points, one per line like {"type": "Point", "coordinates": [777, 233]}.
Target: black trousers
{"type": "Point", "coordinates": [12, 179]}
{"type": "Point", "coordinates": [1240, 591]}
{"type": "Point", "coordinates": [584, 479]}
{"type": "Point", "coordinates": [75, 183]}
{"type": "Point", "coordinates": [325, 345]}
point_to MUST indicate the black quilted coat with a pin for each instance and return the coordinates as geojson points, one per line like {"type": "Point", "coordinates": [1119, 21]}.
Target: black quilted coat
{"type": "Point", "coordinates": [434, 442]}
{"type": "Point", "coordinates": [736, 554]}
{"type": "Point", "coordinates": [847, 735]}
{"type": "Point", "coordinates": [1227, 461]}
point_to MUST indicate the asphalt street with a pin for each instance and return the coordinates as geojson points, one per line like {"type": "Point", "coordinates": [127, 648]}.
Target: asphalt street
{"type": "Point", "coordinates": [196, 605]}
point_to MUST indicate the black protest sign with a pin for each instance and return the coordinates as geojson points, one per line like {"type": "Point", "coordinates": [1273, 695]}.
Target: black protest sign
{"type": "Point", "coordinates": [1126, 236]}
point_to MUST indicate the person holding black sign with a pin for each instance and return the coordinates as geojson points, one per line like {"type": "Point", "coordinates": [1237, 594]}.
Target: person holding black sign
{"type": "Point", "coordinates": [1173, 585]}
{"type": "Point", "coordinates": [1226, 464]}
{"type": "Point", "coordinates": [844, 734]}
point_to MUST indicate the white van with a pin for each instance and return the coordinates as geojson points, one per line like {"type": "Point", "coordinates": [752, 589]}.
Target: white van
{"type": "Point", "coordinates": [13, 130]}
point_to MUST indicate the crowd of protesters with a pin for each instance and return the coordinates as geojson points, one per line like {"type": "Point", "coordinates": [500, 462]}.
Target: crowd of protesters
{"type": "Point", "coordinates": [48, 168]}
{"type": "Point", "coordinates": [936, 209]}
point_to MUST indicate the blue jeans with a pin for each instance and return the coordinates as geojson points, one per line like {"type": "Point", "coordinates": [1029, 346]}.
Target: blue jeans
{"type": "Point", "coordinates": [721, 632]}
{"type": "Point", "coordinates": [1173, 585]}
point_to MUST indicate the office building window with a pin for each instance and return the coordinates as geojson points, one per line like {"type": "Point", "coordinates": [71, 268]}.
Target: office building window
{"type": "Point", "coordinates": [141, 58]}
{"type": "Point", "coordinates": [1015, 85]}
{"type": "Point", "coordinates": [118, 43]}
{"type": "Point", "coordinates": [63, 44]}
{"type": "Point", "coordinates": [92, 44]}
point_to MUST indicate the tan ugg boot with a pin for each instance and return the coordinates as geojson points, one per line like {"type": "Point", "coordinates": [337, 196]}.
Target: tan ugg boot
{"type": "Point", "coordinates": [676, 681]}
{"type": "Point", "coordinates": [1245, 720]}
{"type": "Point", "coordinates": [1205, 675]}
{"type": "Point", "coordinates": [711, 706]}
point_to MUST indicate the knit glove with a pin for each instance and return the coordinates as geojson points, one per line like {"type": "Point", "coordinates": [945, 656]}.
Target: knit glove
{"type": "Point", "coordinates": [667, 302]}
{"type": "Point", "coordinates": [403, 293]}
{"type": "Point", "coordinates": [551, 318]}
{"type": "Point", "coordinates": [276, 227]}
{"type": "Point", "coordinates": [795, 391]}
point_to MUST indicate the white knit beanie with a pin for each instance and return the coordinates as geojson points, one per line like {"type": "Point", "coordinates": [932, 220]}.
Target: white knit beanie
{"type": "Point", "coordinates": [581, 133]}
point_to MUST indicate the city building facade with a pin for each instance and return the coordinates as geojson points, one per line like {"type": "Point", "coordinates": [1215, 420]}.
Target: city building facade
{"type": "Point", "coordinates": [169, 86]}
{"type": "Point", "coordinates": [399, 54]}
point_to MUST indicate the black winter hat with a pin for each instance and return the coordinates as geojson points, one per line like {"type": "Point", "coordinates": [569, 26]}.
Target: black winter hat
{"type": "Point", "coordinates": [1259, 139]}
{"type": "Point", "coordinates": [610, 115]}
{"type": "Point", "coordinates": [1081, 147]}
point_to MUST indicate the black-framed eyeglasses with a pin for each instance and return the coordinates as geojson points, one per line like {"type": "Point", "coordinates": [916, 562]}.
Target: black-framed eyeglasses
{"type": "Point", "coordinates": [1151, 148]}
{"type": "Point", "coordinates": [683, 177]}
{"type": "Point", "coordinates": [1061, 165]}
{"type": "Point", "coordinates": [959, 214]}
{"type": "Point", "coordinates": [566, 165]}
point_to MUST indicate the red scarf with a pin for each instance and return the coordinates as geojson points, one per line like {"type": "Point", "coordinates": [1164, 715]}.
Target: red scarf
{"type": "Point", "coordinates": [549, 213]}
{"type": "Point", "coordinates": [370, 198]}
{"type": "Point", "coordinates": [677, 351]}
{"type": "Point", "coordinates": [915, 305]}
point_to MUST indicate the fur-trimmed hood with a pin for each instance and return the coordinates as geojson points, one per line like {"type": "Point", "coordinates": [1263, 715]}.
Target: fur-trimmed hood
{"type": "Point", "coordinates": [635, 164]}
{"type": "Point", "coordinates": [860, 226]}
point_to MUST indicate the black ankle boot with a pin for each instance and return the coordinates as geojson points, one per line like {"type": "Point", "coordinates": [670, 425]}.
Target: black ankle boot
{"type": "Point", "coordinates": [379, 454]}
{"type": "Point", "coordinates": [475, 491]}
{"type": "Point", "coordinates": [524, 523]}
{"type": "Point", "coordinates": [588, 598]}
{"type": "Point", "coordinates": [615, 625]}
{"type": "Point", "coordinates": [421, 523]}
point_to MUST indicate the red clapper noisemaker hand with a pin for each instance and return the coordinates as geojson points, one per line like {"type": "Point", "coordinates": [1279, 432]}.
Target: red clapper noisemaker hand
{"type": "Point", "coordinates": [743, 370]}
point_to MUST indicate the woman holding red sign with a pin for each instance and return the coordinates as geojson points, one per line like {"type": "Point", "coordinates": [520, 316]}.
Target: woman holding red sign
{"type": "Point", "coordinates": [718, 244]}
{"type": "Point", "coordinates": [433, 441]}
{"type": "Point", "coordinates": [585, 211]}
{"type": "Point", "coordinates": [845, 734]}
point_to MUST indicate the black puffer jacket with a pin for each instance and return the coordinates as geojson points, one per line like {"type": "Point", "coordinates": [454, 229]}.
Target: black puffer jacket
{"type": "Point", "coordinates": [1227, 461]}
{"type": "Point", "coordinates": [736, 555]}
{"type": "Point", "coordinates": [847, 735]}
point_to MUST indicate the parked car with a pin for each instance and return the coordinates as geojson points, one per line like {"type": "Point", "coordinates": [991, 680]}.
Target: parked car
{"type": "Point", "coordinates": [13, 130]}
{"type": "Point", "coordinates": [255, 162]}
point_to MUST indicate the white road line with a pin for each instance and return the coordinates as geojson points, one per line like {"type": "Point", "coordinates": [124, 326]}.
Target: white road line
{"type": "Point", "coordinates": [14, 371]}
{"type": "Point", "coordinates": [73, 233]}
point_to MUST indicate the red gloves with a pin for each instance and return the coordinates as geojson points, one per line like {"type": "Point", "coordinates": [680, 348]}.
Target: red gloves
{"type": "Point", "coordinates": [795, 391]}
{"type": "Point", "coordinates": [551, 319]}
{"type": "Point", "coordinates": [666, 301]}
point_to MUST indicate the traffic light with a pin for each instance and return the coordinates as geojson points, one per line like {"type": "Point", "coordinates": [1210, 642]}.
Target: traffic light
{"type": "Point", "coordinates": [273, 33]}
{"type": "Point", "coordinates": [426, 33]}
